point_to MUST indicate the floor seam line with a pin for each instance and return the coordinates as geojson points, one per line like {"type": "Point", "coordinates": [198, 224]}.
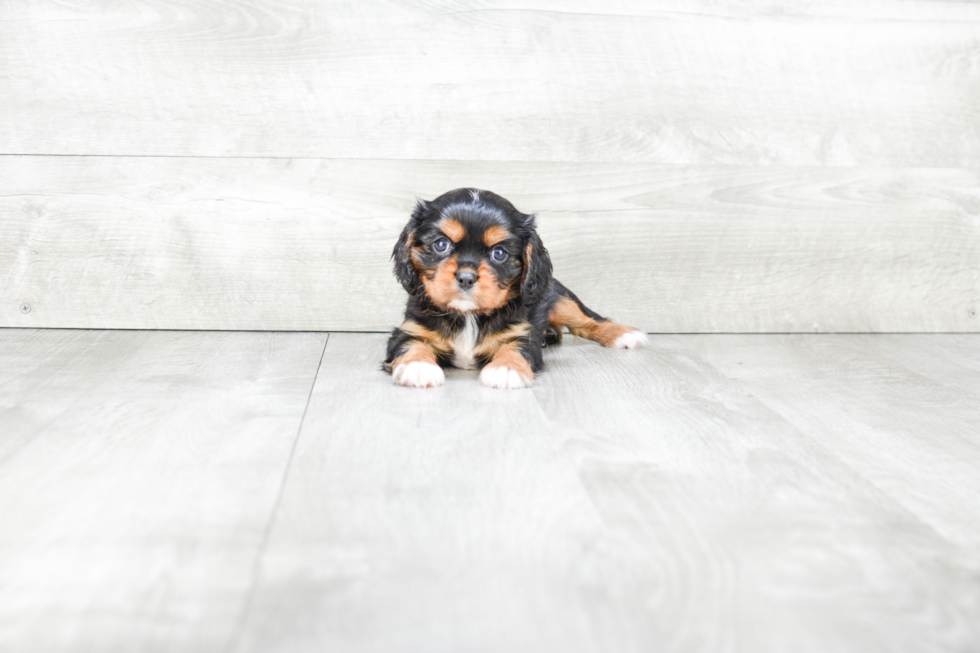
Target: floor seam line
{"type": "Point", "coordinates": [236, 639]}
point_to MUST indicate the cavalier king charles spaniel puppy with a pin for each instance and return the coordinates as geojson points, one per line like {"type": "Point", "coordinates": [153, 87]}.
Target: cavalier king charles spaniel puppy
{"type": "Point", "coordinates": [481, 295]}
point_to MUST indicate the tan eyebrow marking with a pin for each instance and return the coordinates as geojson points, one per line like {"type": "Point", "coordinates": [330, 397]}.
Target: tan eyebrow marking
{"type": "Point", "coordinates": [453, 228]}
{"type": "Point", "coordinates": [494, 235]}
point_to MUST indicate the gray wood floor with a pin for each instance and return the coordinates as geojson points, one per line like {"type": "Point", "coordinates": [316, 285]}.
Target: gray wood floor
{"type": "Point", "coordinates": [229, 491]}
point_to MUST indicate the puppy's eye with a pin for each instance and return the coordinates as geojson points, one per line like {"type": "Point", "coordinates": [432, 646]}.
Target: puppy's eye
{"type": "Point", "coordinates": [441, 245]}
{"type": "Point", "coordinates": [498, 254]}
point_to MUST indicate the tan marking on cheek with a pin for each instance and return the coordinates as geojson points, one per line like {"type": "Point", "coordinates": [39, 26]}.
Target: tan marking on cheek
{"type": "Point", "coordinates": [494, 235]}
{"type": "Point", "coordinates": [415, 352]}
{"type": "Point", "coordinates": [413, 256]}
{"type": "Point", "coordinates": [509, 356]}
{"type": "Point", "coordinates": [440, 286]}
{"type": "Point", "coordinates": [453, 228]}
{"type": "Point", "coordinates": [487, 293]}
{"type": "Point", "coordinates": [567, 313]}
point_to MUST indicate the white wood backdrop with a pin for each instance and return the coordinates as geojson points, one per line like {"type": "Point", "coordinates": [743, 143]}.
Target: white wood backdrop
{"type": "Point", "coordinates": [697, 166]}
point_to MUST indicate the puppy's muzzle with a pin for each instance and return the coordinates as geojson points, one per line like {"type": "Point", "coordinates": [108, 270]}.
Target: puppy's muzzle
{"type": "Point", "coordinates": [466, 279]}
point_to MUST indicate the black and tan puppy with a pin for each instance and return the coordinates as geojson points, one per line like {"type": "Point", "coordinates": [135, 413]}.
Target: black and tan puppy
{"type": "Point", "coordinates": [481, 295]}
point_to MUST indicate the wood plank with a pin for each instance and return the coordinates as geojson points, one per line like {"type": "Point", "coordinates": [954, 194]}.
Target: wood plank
{"type": "Point", "coordinates": [631, 501]}
{"type": "Point", "coordinates": [48, 365]}
{"type": "Point", "coordinates": [750, 531]}
{"type": "Point", "coordinates": [440, 520]}
{"type": "Point", "coordinates": [877, 83]}
{"type": "Point", "coordinates": [144, 470]}
{"type": "Point", "coordinates": [901, 410]}
{"type": "Point", "coordinates": [93, 242]}
{"type": "Point", "coordinates": [742, 529]}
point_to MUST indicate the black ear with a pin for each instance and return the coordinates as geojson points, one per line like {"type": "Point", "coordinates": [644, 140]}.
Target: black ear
{"type": "Point", "coordinates": [537, 265]}
{"type": "Point", "coordinates": [404, 270]}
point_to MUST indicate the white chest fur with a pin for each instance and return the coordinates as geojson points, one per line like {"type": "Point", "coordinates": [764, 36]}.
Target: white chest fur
{"type": "Point", "coordinates": [464, 344]}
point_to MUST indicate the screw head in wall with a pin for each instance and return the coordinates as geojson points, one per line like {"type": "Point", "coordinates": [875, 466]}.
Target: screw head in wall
{"type": "Point", "coordinates": [25, 308]}
{"type": "Point", "coordinates": [972, 312]}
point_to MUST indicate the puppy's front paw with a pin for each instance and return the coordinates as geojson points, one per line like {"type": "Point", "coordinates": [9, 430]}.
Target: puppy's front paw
{"type": "Point", "coordinates": [418, 374]}
{"type": "Point", "coordinates": [631, 340]}
{"type": "Point", "coordinates": [504, 378]}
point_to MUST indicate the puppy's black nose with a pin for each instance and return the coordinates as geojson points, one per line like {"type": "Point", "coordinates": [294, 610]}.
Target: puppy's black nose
{"type": "Point", "coordinates": [465, 279]}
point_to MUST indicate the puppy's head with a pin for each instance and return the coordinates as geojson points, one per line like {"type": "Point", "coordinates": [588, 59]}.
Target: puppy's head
{"type": "Point", "coordinates": [471, 251]}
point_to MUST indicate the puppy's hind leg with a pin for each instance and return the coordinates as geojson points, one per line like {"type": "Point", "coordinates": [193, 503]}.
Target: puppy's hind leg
{"type": "Point", "coordinates": [569, 311]}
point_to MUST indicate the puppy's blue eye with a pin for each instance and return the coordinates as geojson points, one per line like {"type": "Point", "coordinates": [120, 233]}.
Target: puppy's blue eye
{"type": "Point", "coordinates": [498, 254]}
{"type": "Point", "coordinates": [441, 245]}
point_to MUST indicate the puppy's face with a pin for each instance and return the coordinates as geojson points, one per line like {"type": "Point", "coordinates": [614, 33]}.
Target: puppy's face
{"type": "Point", "coordinates": [467, 250]}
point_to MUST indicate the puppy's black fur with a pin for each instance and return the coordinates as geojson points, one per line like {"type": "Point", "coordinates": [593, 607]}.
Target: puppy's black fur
{"type": "Point", "coordinates": [468, 258]}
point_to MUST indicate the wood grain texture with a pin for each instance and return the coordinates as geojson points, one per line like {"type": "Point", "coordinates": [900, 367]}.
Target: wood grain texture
{"type": "Point", "coordinates": [742, 529]}
{"type": "Point", "coordinates": [138, 473]}
{"type": "Point", "coordinates": [445, 521]}
{"type": "Point", "coordinates": [907, 413]}
{"type": "Point", "coordinates": [878, 83]}
{"type": "Point", "coordinates": [292, 244]}
{"type": "Point", "coordinates": [631, 501]}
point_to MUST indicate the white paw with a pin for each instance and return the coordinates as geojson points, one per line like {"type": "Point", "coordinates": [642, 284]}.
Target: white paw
{"type": "Point", "coordinates": [504, 378]}
{"type": "Point", "coordinates": [631, 340]}
{"type": "Point", "coordinates": [419, 375]}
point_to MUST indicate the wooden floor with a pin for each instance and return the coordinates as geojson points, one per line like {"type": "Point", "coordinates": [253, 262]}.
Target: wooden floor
{"type": "Point", "coordinates": [255, 491]}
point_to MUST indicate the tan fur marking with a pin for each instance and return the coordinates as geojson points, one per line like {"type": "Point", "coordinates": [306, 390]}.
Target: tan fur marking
{"type": "Point", "coordinates": [567, 313]}
{"type": "Point", "coordinates": [607, 333]}
{"type": "Point", "coordinates": [415, 351]}
{"type": "Point", "coordinates": [527, 262]}
{"type": "Point", "coordinates": [509, 356]}
{"type": "Point", "coordinates": [440, 284]}
{"type": "Point", "coordinates": [453, 228]}
{"type": "Point", "coordinates": [494, 235]}
{"type": "Point", "coordinates": [441, 287]}
{"type": "Point", "coordinates": [487, 294]}
{"type": "Point", "coordinates": [413, 256]}
{"type": "Point", "coordinates": [433, 339]}
{"type": "Point", "coordinates": [492, 343]}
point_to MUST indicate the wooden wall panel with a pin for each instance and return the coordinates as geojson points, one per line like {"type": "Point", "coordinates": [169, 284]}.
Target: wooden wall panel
{"type": "Point", "coordinates": [292, 244]}
{"type": "Point", "coordinates": [876, 83]}
{"type": "Point", "coordinates": [698, 166]}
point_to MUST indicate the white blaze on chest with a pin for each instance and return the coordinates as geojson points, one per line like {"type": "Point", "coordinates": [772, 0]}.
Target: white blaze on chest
{"type": "Point", "coordinates": [464, 344]}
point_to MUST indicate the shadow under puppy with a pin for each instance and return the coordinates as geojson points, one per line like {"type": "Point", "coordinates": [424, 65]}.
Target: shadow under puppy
{"type": "Point", "coordinates": [481, 295]}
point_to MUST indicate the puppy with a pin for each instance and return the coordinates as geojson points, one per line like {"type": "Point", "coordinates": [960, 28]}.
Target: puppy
{"type": "Point", "coordinates": [481, 295]}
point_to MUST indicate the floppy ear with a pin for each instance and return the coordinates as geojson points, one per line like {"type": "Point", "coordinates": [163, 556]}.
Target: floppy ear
{"type": "Point", "coordinates": [404, 270]}
{"type": "Point", "coordinates": [537, 265]}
